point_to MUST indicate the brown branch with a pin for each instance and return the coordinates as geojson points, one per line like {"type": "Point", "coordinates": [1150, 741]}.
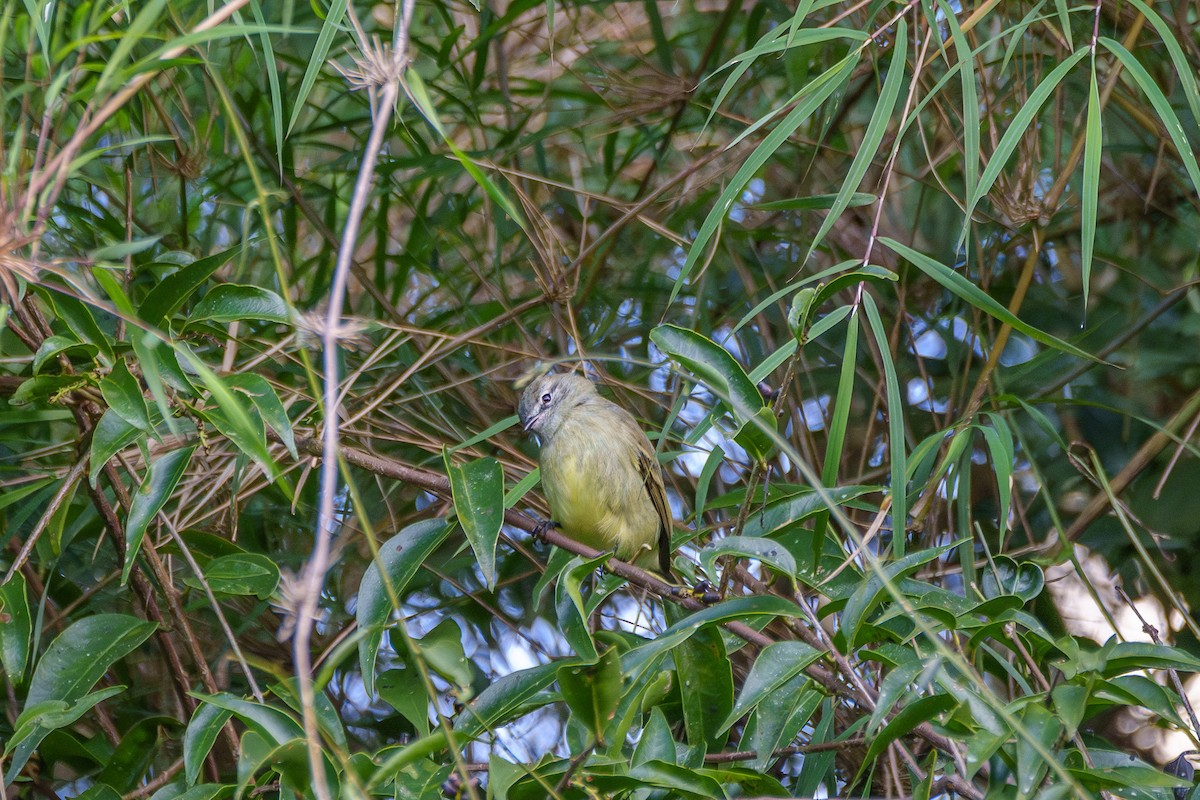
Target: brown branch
{"type": "Point", "coordinates": [438, 484]}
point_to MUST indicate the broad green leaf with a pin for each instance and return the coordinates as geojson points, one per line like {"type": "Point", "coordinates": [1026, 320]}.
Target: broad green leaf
{"type": "Point", "coordinates": [777, 723]}
{"type": "Point", "coordinates": [203, 791]}
{"type": "Point", "coordinates": [739, 609]}
{"type": "Point", "coordinates": [159, 484]}
{"type": "Point", "coordinates": [681, 781]}
{"type": "Point", "coordinates": [268, 405]}
{"type": "Point", "coordinates": [171, 292]}
{"type": "Point", "coordinates": [478, 491]}
{"type": "Point", "coordinates": [775, 665]}
{"type": "Point", "coordinates": [705, 687]}
{"type": "Point", "coordinates": [1040, 730]}
{"type": "Point", "coordinates": [79, 318]}
{"type": "Point", "coordinates": [442, 651]}
{"type": "Point", "coordinates": [16, 626]}
{"type": "Point", "coordinates": [61, 345]}
{"type": "Point", "coordinates": [507, 698]}
{"type": "Point", "coordinates": [401, 688]}
{"type": "Point", "coordinates": [798, 507]}
{"type": "Point", "coordinates": [399, 559]}
{"type": "Point", "coordinates": [866, 596]}
{"type": "Point", "coordinates": [38, 720]}
{"type": "Point", "coordinates": [232, 419]}
{"type": "Point", "coordinates": [82, 653]}
{"type": "Point", "coordinates": [769, 552]}
{"type": "Point", "coordinates": [1004, 576]}
{"type": "Point", "coordinates": [717, 369]}
{"type": "Point", "coordinates": [124, 395]}
{"type": "Point", "coordinates": [241, 574]}
{"type": "Point", "coordinates": [127, 765]}
{"type": "Point", "coordinates": [570, 607]}
{"type": "Point", "coordinates": [592, 691]}
{"type": "Point", "coordinates": [201, 734]}
{"type": "Point", "coordinates": [923, 709]}
{"type": "Point", "coordinates": [271, 723]}
{"type": "Point", "coordinates": [230, 302]}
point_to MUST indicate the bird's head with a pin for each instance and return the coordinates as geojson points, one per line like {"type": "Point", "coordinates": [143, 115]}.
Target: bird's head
{"type": "Point", "coordinates": [545, 400]}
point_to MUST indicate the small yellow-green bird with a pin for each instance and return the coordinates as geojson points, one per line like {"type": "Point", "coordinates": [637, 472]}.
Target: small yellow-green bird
{"type": "Point", "coordinates": [599, 472]}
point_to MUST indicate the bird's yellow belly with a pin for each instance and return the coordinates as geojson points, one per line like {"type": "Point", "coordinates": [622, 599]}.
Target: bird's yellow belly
{"type": "Point", "coordinates": [598, 501]}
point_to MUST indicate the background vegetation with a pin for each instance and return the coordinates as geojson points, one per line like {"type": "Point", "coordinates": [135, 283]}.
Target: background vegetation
{"type": "Point", "coordinates": [934, 258]}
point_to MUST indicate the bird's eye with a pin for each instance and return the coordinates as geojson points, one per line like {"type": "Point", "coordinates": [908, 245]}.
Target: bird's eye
{"type": "Point", "coordinates": [546, 397]}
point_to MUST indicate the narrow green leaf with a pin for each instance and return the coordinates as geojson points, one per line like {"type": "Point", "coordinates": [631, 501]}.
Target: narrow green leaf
{"type": "Point", "coordinates": [897, 445]}
{"type": "Point", "coordinates": [1185, 71]}
{"type": "Point", "coordinates": [118, 251]}
{"type": "Point", "coordinates": [478, 491]}
{"type": "Point", "coordinates": [1093, 137]}
{"type": "Point", "coordinates": [817, 92]}
{"type": "Point", "coordinates": [867, 150]}
{"type": "Point", "coordinates": [970, 99]}
{"type": "Point", "coordinates": [1162, 107]}
{"type": "Point", "coordinates": [160, 482]}
{"type": "Point", "coordinates": [711, 465]}
{"type": "Point", "coordinates": [816, 201]}
{"type": "Point", "coordinates": [1016, 131]}
{"type": "Point", "coordinates": [973, 295]}
{"type": "Point", "coordinates": [415, 86]}
{"type": "Point", "coordinates": [318, 58]}
{"type": "Point", "coordinates": [999, 440]}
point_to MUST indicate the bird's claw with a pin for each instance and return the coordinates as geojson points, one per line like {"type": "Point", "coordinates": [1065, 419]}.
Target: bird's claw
{"type": "Point", "coordinates": [539, 530]}
{"type": "Point", "coordinates": [703, 592]}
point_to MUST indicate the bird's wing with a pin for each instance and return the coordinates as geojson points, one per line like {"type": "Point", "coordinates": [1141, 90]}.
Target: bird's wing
{"type": "Point", "coordinates": [652, 478]}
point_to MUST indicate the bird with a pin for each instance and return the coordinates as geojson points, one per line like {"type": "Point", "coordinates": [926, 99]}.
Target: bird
{"type": "Point", "coordinates": [599, 471]}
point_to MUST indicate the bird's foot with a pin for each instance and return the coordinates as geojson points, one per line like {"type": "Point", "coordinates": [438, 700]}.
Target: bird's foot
{"type": "Point", "coordinates": [703, 592]}
{"type": "Point", "coordinates": [539, 530]}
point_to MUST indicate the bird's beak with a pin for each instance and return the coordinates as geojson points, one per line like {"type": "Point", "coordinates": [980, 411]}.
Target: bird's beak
{"type": "Point", "coordinates": [526, 424]}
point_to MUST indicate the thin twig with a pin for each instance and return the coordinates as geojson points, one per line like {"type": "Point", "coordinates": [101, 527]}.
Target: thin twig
{"type": "Point", "coordinates": [390, 71]}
